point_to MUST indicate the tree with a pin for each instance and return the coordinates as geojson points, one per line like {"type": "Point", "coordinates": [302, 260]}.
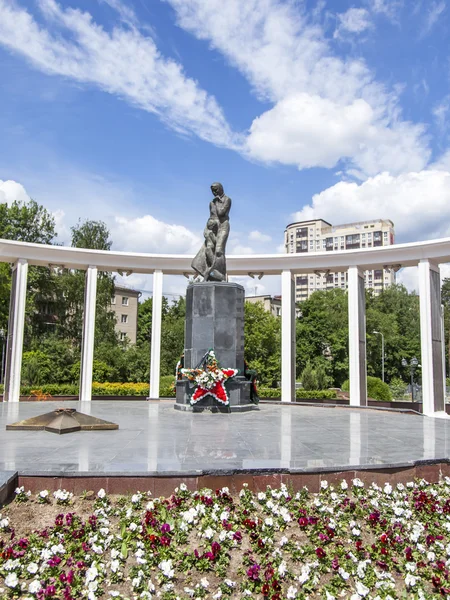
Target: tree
{"type": "Point", "coordinates": [262, 332]}
{"type": "Point", "coordinates": [71, 284]}
{"type": "Point", "coordinates": [322, 333]}
{"type": "Point", "coordinates": [26, 222]}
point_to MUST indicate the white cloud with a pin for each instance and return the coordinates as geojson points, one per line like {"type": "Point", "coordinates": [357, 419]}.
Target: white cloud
{"type": "Point", "coordinates": [123, 62]}
{"type": "Point", "coordinates": [389, 8]}
{"type": "Point", "coordinates": [354, 20]}
{"type": "Point", "coordinates": [147, 234]}
{"type": "Point", "coordinates": [257, 236]}
{"type": "Point", "coordinates": [434, 11]}
{"type": "Point", "coordinates": [442, 163]}
{"type": "Point", "coordinates": [441, 113]}
{"type": "Point", "coordinates": [11, 191]}
{"type": "Point", "coordinates": [417, 203]}
{"type": "Point", "coordinates": [289, 62]}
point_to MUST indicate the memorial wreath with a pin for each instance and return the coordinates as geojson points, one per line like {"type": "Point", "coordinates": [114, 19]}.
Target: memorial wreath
{"type": "Point", "coordinates": [210, 379]}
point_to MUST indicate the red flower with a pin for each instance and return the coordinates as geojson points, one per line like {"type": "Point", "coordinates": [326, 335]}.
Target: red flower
{"type": "Point", "coordinates": [320, 552]}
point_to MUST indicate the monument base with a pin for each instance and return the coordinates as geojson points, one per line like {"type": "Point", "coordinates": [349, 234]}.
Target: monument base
{"type": "Point", "coordinates": [238, 390]}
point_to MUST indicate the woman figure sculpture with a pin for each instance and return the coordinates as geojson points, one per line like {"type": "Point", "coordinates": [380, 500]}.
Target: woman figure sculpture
{"type": "Point", "coordinates": [210, 260]}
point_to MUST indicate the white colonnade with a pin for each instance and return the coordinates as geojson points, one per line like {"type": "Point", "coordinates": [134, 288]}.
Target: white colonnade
{"type": "Point", "coordinates": [426, 255]}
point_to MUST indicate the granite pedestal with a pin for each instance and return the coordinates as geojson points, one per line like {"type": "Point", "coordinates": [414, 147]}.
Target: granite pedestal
{"type": "Point", "coordinates": [215, 320]}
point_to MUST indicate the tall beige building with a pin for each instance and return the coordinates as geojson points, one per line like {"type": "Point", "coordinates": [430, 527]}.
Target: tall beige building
{"type": "Point", "coordinates": [125, 304]}
{"type": "Point", "coordinates": [320, 236]}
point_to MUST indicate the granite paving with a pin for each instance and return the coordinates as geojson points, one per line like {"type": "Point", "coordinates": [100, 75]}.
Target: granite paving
{"type": "Point", "coordinates": [153, 438]}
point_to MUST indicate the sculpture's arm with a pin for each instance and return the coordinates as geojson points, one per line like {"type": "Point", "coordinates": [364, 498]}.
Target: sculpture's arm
{"type": "Point", "coordinates": [223, 208]}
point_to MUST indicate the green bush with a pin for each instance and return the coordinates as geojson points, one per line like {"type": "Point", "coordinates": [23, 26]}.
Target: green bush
{"type": "Point", "coordinates": [376, 389]}
{"type": "Point", "coordinates": [309, 378]}
{"type": "Point", "coordinates": [299, 394]}
{"type": "Point", "coordinates": [398, 389]}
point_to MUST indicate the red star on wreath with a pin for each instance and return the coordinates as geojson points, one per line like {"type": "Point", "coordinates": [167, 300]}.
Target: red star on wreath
{"type": "Point", "coordinates": [210, 380]}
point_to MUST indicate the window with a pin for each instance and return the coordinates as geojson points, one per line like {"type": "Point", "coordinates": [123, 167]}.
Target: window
{"type": "Point", "coordinates": [124, 300]}
{"type": "Point", "coordinates": [302, 280]}
{"type": "Point", "coordinates": [124, 319]}
{"type": "Point", "coordinates": [113, 300]}
{"type": "Point", "coordinates": [352, 241]}
{"type": "Point", "coordinates": [123, 336]}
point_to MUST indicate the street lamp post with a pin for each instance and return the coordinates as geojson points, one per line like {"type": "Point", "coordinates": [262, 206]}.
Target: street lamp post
{"type": "Point", "coordinates": [413, 364]}
{"type": "Point", "coordinates": [382, 353]}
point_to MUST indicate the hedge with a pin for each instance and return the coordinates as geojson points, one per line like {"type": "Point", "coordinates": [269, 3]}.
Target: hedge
{"type": "Point", "coordinates": [142, 389]}
{"type": "Point", "coordinates": [300, 394]}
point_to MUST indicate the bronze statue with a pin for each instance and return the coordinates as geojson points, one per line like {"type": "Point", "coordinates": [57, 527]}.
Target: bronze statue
{"type": "Point", "coordinates": [210, 260]}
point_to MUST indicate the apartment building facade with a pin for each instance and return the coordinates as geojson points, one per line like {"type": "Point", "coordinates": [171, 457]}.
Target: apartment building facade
{"type": "Point", "coordinates": [318, 235]}
{"type": "Point", "coordinates": [125, 304]}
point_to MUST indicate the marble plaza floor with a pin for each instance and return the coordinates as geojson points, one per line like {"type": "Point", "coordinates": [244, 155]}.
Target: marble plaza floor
{"type": "Point", "coordinates": [153, 438]}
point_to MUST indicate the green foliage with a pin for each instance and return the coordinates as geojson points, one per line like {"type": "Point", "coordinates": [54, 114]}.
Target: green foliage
{"type": "Point", "coordinates": [322, 333]}
{"type": "Point", "coordinates": [262, 332]}
{"type": "Point", "coordinates": [309, 378]}
{"type": "Point", "coordinates": [26, 222]}
{"type": "Point", "coordinates": [398, 389]}
{"type": "Point", "coordinates": [36, 368]}
{"type": "Point", "coordinates": [376, 389]}
{"type": "Point", "coordinates": [265, 392]}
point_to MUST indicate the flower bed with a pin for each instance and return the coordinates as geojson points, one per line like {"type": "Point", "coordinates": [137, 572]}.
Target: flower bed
{"type": "Point", "coordinates": [348, 541]}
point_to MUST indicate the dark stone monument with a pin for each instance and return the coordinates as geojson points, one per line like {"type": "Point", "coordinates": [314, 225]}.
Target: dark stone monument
{"type": "Point", "coordinates": [215, 315]}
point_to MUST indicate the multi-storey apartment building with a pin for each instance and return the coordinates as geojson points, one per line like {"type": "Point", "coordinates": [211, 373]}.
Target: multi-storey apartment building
{"type": "Point", "coordinates": [125, 304]}
{"type": "Point", "coordinates": [320, 236]}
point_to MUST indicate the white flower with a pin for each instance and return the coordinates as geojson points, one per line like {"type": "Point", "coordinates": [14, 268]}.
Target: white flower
{"type": "Point", "coordinates": [43, 494]}
{"type": "Point", "coordinates": [91, 573]}
{"type": "Point", "coordinates": [32, 568]}
{"type": "Point", "coordinates": [34, 587]}
{"type": "Point", "coordinates": [224, 515]}
{"type": "Point", "coordinates": [132, 527]}
{"type": "Point", "coordinates": [217, 595]}
{"type": "Point", "coordinates": [358, 483]}
{"type": "Point", "coordinates": [400, 487]}
{"type": "Point", "coordinates": [431, 556]}
{"type": "Point", "coordinates": [101, 493]}
{"type": "Point", "coordinates": [261, 496]}
{"type": "Point", "coordinates": [189, 591]}
{"type": "Point", "coordinates": [135, 498]}
{"type": "Point", "coordinates": [230, 583]}
{"type": "Point", "coordinates": [324, 484]}
{"type": "Point", "coordinates": [304, 576]}
{"type": "Point", "coordinates": [283, 540]}
{"type": "Point", "coordinates": [92, 586]}
{"type": "Point", "coordinates": [115, 564]}
{"type": "Point", "coordinates": [410, 566]}
{"type": "Point", "coordinates": [150, 505]}
{"type": "Point", "coordinates": [387, 488]}
{"type": "Point", "coordinates": [361, 589]}
{"type": "Point", "coordinates": [166, 568]}
{"type": "Point", "coordinates": [292, 592]}
{"type": "Point", "coordinates": [410, 580]}
{"type": "Point", "coordinates": [268, 521]}
{"type": "Point", "coordinates": [11, 580]}
{"type": "Point", "coordinates": [4, 523]}
{"type": "Point", "coordinates": [356, 531]}
{"type": "Point", "coordinates": [204, 582]}
{"type": "Point", "coordinates": [282, 568]}
{"type": "Point", "coordinates": [343, 574]}
{"type": "Point", "coordinates": [344, 485]}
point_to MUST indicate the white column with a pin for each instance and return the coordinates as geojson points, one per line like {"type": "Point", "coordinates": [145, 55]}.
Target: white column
{"type": "Point", "coordinates": [155, 350]}
{"type": "Point", "coordinates": [357, 337]}
{"type": "Point", "coordinates": [433, 391]}
{"type": "Point", "coordinates": [287, 337]}
{"type": "Point", "coordinates": [87, 342]}
{"type": "Point", "coordinates": [16, 323]}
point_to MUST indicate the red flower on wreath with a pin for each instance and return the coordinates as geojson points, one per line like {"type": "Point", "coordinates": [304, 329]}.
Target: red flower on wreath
{"type": "Point", "coordinates": [210, 380]}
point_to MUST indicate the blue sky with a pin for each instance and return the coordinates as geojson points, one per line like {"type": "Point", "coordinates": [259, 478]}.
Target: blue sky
{"type": "Point", "coordinates": [127, 111]}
